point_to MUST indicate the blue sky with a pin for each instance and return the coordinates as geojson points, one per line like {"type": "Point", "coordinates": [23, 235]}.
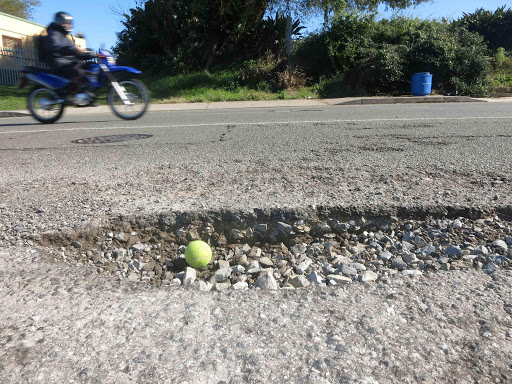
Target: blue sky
{"type": "Point", "coordinates": [96, 20]}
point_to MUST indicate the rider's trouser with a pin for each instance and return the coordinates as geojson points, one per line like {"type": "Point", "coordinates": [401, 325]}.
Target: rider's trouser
{"type": "Point", "coordinates": [74, 73]}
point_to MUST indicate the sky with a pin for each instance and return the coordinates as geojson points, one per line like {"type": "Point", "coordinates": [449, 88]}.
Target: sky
{"type": "Point", "coordinates": [99, 23]}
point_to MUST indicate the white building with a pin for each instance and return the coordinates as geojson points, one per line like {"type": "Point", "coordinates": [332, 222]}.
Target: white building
{"type": "Point", "coordinates": [17, 47]}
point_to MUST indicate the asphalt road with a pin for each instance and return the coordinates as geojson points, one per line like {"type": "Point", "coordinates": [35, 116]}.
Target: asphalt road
{"type": "Point", "coordinates": [370, 157]}
{"type": "Point", "coordinates": [62, 322]}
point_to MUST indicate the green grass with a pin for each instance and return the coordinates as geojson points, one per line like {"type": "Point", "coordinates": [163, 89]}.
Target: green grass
{"type": "Point", "coordinates": [214, 87]}
{"type": "Point", "coordinates": [12, 98]}
{"type": "Point", "coordinates": [500, 83]}
{"type": "Point", "coordinates": [221, 86]}
{"type": "Point", "coordinates": [193, 88]}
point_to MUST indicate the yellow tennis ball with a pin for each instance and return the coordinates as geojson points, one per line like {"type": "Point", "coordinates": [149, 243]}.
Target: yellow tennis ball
{"type": "Point", "coordinates": [198, 254]}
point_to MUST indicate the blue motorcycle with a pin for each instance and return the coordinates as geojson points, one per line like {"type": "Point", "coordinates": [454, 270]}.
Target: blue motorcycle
{"type": "Point", "coordinates": [128, 97]}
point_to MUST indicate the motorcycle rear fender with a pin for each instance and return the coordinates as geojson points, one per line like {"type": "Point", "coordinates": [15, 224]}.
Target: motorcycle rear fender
{"type": "Point", "coordinates": [47, 79]}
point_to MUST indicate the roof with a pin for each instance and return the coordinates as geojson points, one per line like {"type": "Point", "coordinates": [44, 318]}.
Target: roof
{"type": "Point", "coordinates": [19, 18]}
{"type": "Point", "coordinates": [30, 22]}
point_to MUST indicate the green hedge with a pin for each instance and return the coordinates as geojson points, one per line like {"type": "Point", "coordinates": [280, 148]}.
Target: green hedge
{"type": "Point", "coordinates": [379, 56]}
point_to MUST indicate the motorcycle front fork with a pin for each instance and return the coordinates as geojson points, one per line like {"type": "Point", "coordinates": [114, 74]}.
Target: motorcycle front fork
{"type": "Point", "coordinates": [117, 87]}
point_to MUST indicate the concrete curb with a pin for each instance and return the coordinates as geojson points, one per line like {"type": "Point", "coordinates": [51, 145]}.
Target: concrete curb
{"type": "Point", "coordinates": [13, 114]}
{"type": "Point", "coordinates": [273, 104]}
{"type": "Point", "coordinates": [411, 100]}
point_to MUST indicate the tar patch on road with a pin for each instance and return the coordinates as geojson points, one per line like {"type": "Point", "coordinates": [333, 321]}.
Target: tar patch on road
{"type": "Point", "coordinates": [111, 139]}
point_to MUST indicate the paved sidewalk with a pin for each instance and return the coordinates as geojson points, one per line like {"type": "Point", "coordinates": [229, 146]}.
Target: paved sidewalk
{"type": "Point", "coordinates": [279, 103]}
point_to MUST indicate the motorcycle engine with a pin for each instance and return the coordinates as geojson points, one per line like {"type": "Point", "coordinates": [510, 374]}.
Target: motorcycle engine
{"type": "Point", "coordinates": [82, 99]}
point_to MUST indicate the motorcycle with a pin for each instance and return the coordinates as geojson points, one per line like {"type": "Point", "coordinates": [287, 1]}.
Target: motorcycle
{"type": "Point", "coordinates": [128, 97]}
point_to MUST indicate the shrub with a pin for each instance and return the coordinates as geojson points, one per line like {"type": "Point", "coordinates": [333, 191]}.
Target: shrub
{"type": "Point", "coordinates": [292, 78]}
{"type": "Point", "coordinates": [384, 71]}
{"type": "Point", "coordinates": [263, 72]}
{"type": "Point", "coordinates": [468, 66]}
{"type": "Point", "coordinates": [500, 58]}
{"type": "Point", "coordinates": [381, 56]}
{"type": "Point", "coordinates": [312, 55]}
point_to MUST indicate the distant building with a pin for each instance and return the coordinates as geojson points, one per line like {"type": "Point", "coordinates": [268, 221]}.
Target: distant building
{"type": "Point", "coordinates": [16, 32]}
{"type": "Point", "coordinates": [17, 46]}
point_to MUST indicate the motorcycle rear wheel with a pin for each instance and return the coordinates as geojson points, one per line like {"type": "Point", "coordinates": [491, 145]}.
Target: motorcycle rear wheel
{"type": "Point", "coordinates": [136, 93]}
{"type": "Point", "coordinates": [42, 104]}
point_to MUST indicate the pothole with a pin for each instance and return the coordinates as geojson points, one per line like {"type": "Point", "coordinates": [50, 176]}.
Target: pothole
{"type": "Point", "coordinates": [111, 139]}
{"type": "Point", "coordinates": [287, 249]}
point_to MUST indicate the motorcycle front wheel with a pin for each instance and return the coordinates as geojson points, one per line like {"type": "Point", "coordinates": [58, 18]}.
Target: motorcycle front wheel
{"type": "Point", "coordinates": [44, 105]}
{"type": "Point", "coordinates": [137, 100]}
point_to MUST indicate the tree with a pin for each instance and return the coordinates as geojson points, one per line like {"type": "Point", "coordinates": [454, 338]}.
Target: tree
{"type": "Point", "coordinates": [309, 8]}
{"type": "Point", "coordinates": [495, 27]}
{"type": "Point", "coordinates": [186, 33]}
{"type": "Point", "coordinates": [19, 8]}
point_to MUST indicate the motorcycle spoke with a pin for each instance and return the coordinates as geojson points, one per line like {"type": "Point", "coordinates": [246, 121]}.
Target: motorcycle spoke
{"type": "Point", "coordinates": [44, 105]}
{"type": "Point", "coordinates": [133, 102]}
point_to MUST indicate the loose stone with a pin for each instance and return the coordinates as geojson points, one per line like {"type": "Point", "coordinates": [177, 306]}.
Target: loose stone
{"type": "Point", "coordinates": [348, 271]}
{"type": "Point", "coordinates": [367, 276]}
{"type": "Point", "coordinates": [137, 247]}
{"type": "Point", "coordinates": [411, 272]}
{"type": "Point", "coordinates": [338, 279]}
{"type": "Point", "coordinates": [453, 251]}
{"type": "Point", "coordinates": [266, 262]}
{"type": "Point", "coordinates": [302, 267]}
{"type": "Point", "coordinates": [254, 268]}
{"type": "Point", "coordinates": [409, 258]}
{"type": "Point", "coordinates": [457, 224]}
{"type": "Point", "coordinates": [284, 227]}
{"type": "Point", "coordinates": [222, 274]}
{"type": "Point", "coordinates": [240, 286]}
{"type": "Point", "coordinates": [315, 278]}
{"type": "Point", "coordinates": [490, 268]}
{"type": "Point", "coordinates": [398, 263]}
{"type": "Point", "coordinates": [254, 252]}
{"type": "Point", "coordinates": [203, 286]}
{"type": "Point", "coordinates": [500, 244]}
{"type": "Point", "coordinates": [408, 237]}
{"type": "Point", "coordinates": [357, 266]}
{"type": "Point", "coordinates": [189, 277]}
{"type": "Point", "coordinates": [222, 286]}
{"type": "Point", "coordinates": [420, 241]}
{"type": "Point", "coordinates": [133, 276]}
{"type": "Point", "coordinates": [299, 281]}
{"type": "Point", "coordinates": [238, 270]}
{"type": "Point", "coordinates": [481, 250]}
{"type": "Point", "coordinates": [266, 281]}
{"type": "Point", "coordinates": [122, 237]}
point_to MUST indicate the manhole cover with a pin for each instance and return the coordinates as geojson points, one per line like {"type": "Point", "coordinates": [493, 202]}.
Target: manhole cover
{"type": "Point", "coordinates": [110, 139]}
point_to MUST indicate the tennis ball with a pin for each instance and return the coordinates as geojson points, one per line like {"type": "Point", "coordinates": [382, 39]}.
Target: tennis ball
{"type": "Point", "coordinates": [198, 254]}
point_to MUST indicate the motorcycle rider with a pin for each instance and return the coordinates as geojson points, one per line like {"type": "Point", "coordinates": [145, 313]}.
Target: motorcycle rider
{"type": "Point", "coordinates": [63, 56]}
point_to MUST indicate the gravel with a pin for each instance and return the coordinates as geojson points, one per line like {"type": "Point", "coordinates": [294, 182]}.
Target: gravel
{"type": "Point", "coordinates": [358, 249]}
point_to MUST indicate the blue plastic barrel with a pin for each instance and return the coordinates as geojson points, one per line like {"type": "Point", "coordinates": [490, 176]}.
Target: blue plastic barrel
{"type": "Point", "coordinates": [421, 84]}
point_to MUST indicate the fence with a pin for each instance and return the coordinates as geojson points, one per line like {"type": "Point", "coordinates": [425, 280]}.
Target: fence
{"type": "Point", "coordinates": [12, 60]}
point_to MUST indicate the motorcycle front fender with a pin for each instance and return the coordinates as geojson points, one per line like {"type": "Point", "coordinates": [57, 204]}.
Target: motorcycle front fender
{"type": "Point", "coordinates": [116, 68]}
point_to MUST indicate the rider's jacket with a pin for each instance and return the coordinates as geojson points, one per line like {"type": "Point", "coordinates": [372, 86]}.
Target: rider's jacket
{"type": "Point", "coordinates": [61, 51]}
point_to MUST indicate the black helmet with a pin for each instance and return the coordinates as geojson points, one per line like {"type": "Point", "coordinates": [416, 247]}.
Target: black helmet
{"type": "Point", "coordinates": [65, 20]}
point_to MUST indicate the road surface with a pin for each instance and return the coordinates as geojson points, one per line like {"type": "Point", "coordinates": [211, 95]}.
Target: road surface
{"type": "Point", "coordinates": [62, 322]}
